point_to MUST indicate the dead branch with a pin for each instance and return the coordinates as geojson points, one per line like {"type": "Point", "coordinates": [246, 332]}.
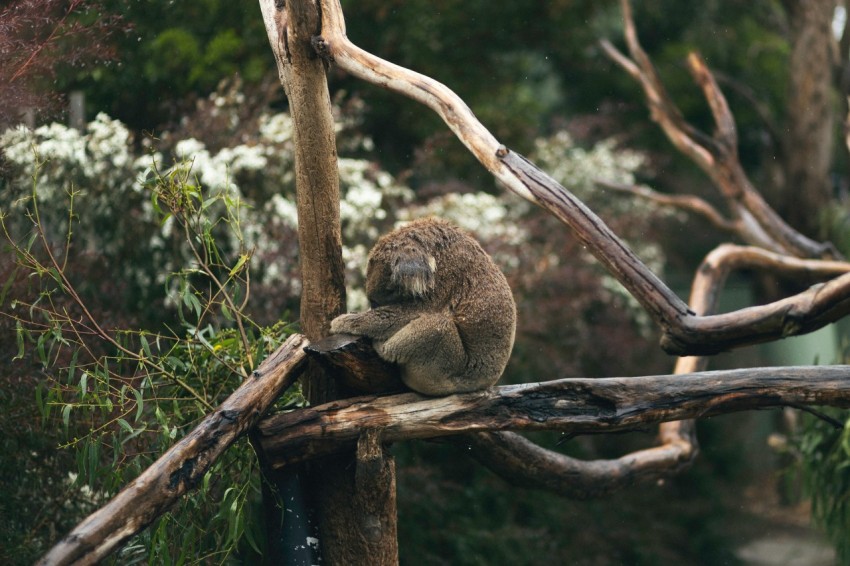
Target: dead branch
{"type": "Point", "coordinates": [574, 405]}
{"type": "Point", "coordinates": [683, 332]}
{"type": "Point", "coordinates": [523, 463]}
{"type": "Point", "coordinates": [689, 203]}
{"type": "Point", "coordinates": [716, 155]}
{"type": "Point", "coordinates": [181, 467]}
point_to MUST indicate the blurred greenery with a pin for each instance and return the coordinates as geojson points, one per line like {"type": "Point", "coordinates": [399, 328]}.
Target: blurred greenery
{"type": "Point", "coordinates": [520, 66]}
{"type": "Point", "coordinates": [824, 457]}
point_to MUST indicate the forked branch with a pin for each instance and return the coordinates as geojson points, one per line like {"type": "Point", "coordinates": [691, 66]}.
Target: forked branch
{"type": "Point", "coordinates": [716, 154]}
{"type": "Point", "coordinates": [683, 331]}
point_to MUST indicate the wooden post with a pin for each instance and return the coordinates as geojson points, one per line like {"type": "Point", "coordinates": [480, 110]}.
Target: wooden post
{"type": "Point", "coordinates": [348, 533]}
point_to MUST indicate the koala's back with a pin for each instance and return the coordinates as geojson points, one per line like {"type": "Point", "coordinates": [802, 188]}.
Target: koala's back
{"type": "Point", "coordinates": [469, 289]}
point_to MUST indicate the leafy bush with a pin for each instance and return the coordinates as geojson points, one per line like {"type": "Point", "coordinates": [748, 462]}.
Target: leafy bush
{"type": "Point", "coordinates": [824, 458]}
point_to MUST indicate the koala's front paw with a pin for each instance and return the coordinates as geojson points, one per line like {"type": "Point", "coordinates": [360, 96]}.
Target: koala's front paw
{"type": "Point", "coordinates": [389, 354]}
{"type": "Point", "coordinates": [345, 324]}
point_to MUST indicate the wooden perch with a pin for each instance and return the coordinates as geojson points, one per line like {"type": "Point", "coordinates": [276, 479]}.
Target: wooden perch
{"type": "Point", "coordinates": [352, 360]}
{"type": "Point", "coordinates": [574, 405]}
{"type": "Point", "coordinates": [183, 465]}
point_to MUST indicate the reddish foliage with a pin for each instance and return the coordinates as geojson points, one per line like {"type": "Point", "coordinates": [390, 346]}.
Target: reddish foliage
{"type": "Point", "coordinates": [37, 39]}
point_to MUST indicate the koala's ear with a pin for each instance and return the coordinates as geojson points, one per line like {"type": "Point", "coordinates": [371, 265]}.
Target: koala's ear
{"type": "Point", "coordinates": [413, 272]}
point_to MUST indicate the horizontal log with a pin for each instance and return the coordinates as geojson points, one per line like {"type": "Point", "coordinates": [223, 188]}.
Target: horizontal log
{"type": "Point", "coordinates": [574, 405]}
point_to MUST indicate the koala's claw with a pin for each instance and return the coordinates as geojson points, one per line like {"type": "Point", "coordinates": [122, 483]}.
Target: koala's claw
{"type": "Point", "coordinates": [342, 325]}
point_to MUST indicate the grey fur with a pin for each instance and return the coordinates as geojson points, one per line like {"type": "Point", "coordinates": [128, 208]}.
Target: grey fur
{"type": "Point", "coordinates": [440, 308]}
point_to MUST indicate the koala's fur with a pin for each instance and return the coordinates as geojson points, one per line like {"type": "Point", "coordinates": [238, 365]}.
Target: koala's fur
{"type": "Point", "coordinates": [440, 308]}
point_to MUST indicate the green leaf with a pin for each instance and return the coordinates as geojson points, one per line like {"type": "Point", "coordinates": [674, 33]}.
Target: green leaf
{"type": "Point", "coordinates": [19, 336]}
{"type": "Point", "coordinates": [125, 425]}
{"type": "Point", "coordinates": [42, 353]}
{"type": "Point", "coordinates": [191, 301]}
{"type": "Point", "coordinates": [225, 312]}
{"type": "Point", "coordinates": [238, 267]}
{"type": "Point", "coordinates": [134, 433]}
{"type": "Point", "coordinates": [66, 416]}
{"type": "Point", "coordinates": [31, 241]}
{"type": "Point", "coordinates": [140, 403]}
{"type": "Point", "coordinates": [146, 348]}
{"type": "Point", "coordinates": [209, 202]}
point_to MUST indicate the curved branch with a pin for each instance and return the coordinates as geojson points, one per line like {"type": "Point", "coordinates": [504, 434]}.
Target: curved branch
{"type": "Point", "coordinates": [805, 312]}
{"type": "Point", "coordinates": [716, 155]}
{"type": "Point", "coordinates": [521, 462]}
{"type": "Point", "coordinates": [684, 333]}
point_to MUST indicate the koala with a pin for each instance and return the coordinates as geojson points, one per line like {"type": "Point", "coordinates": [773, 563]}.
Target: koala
{"type": "Point", "coordinates": [440, 308]}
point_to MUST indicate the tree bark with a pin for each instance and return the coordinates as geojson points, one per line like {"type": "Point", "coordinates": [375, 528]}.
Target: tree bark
{"type": "Point", "coordinates": [349, 533]}
{"type": "Point", "coordinates": [810, 115]}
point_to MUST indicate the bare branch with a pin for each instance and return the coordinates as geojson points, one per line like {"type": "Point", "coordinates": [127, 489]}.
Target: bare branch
{"type": "Point", "coordinates": [689, 203]}
{"type": "Point", "coordinates": [575, 405]}
{"type": "Point", "coordinates": [181, 467]}
{"type": "Point", "coordinates": [684, 333]}
{"type": "Point", "coordinates": [727, 132]}
{"type": "Point", "coordinates": [716, 155]}
{"type": "Point", "coordinates": [522, 462]}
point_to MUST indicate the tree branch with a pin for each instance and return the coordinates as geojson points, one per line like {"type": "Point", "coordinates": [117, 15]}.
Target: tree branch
{"type": "Point", "coordinates": [683, 332]}
{"type": "Point", "coordinates": [688, 203]}
{"type": "Point", "coordinates": [521, 462]}
{"type": "Point", "coordinates": [716, 155]}
{"type": "Point", "coordinates": [183, 465]}
{"type": "Point", "coordinates": [574, 405]}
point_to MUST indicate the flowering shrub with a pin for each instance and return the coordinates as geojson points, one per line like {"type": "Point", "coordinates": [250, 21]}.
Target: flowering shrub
{"type": "Point", "coordinates": [578, 169]}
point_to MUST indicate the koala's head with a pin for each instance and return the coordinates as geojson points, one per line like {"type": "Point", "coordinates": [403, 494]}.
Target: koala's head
{"type": "Point", "coordinates": [402, 266]}
{"type": "Point", "coordinates": [399, 275]}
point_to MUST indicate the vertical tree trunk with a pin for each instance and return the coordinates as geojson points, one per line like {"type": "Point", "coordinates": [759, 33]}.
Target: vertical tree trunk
{"type": "Point", "coordinates": [810, 116]}
{"type": "Point", "coordinates": [353, 497]}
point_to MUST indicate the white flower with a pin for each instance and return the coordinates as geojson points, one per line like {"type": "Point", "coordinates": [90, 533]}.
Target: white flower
{"type": "Point", "coordinates": [284, 210]}
{"type": "Point", "coordinates": [276, 129]}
